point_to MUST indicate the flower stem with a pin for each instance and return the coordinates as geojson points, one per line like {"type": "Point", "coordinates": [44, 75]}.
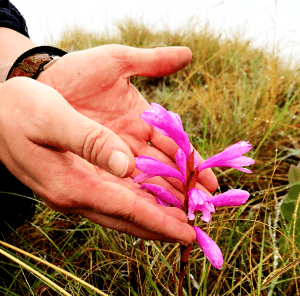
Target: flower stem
{"type": "Point", "coordinates": [186, 250]}
{"type": "Point", "coordinates": [184, 258]}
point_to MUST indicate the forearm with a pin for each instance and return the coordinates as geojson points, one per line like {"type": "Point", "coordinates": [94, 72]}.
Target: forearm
{"type": "Point", "coordinates": [12, 45]}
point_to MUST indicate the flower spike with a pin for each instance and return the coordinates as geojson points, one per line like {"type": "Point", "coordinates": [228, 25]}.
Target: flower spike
{"type": "Point", "coordinates": [188, 163]}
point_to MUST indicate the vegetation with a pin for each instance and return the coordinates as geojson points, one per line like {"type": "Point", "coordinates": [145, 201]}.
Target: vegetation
{"type": "Point", "coordinates": [230, 92]}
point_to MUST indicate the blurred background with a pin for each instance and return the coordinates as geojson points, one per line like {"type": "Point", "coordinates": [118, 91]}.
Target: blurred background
{"type": "Point", "coordinates": [269, 23]}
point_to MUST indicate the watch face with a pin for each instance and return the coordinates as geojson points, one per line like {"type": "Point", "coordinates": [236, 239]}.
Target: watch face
{"type": "Point", "coordinates": [48, 65]}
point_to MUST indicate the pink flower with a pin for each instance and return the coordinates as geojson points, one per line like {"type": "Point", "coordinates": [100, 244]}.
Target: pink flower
{"type": "Point", "coordinates": [230, 157]}
{"type": "Point", "coordinates": [151, 167]}
{"type": "Point", "coordinates": [168, 124]}
{"type": "Point", "coordinates": [199, 201]}
{"type": "Point", "coordinates": [209, 248]}
{"type": "Point", "coordinates": [162, 194]}
{"type": "Point", "coordinates": [234, 197]}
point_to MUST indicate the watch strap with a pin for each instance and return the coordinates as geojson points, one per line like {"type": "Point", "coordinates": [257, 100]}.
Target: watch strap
{"type": "Point", "coordinates": [32, 62]}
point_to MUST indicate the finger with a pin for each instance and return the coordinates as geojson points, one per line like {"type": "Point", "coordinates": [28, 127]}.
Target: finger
{"type": "Point", "coordinates": [116, 201]}
{"type": "Point", "coordinates": [135, 187]}
{"type": "Point", "coordinates": [157, 62]}
{"type": "Point", "coordinates": [133, 209]}
{"type": "Point", "coordinates": [123, 226]}
{"type": "Point", "coordinates": [52, 121]}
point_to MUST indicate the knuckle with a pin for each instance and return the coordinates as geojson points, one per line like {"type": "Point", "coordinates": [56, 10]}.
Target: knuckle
{"type": "Point", "coordinates": [93, 143]}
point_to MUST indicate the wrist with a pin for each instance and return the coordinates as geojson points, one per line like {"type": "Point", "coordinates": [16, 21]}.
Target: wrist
{"type": "Point", "coordinates": [32, 62]}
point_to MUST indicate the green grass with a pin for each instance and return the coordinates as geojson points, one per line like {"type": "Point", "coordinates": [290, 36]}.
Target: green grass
{"type": "Point", "coordinates": [231, 91]}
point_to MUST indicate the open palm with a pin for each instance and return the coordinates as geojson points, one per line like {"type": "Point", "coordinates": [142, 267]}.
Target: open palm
{"type": "Point", "coordinates": [96, 83]}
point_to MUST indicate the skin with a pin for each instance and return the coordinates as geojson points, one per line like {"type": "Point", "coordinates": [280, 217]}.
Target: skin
{"type": "Point", "coordinates": [64, 126]}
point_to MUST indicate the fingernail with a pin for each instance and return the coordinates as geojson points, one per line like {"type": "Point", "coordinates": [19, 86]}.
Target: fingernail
{"type": "Point", "coordinates": [118, 163]}
{"type": "Point", "coordinates": [182, 243]}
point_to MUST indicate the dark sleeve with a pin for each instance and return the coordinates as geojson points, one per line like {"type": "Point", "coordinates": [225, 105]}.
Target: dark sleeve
{"type": "Point", "coordinates": [17, 203]}
{"type": "Point", "coordinates": [11, 18]}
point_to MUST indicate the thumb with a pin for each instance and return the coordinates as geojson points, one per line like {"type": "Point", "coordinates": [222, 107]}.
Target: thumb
{"type": "Point", "coordinates": [156, 62]}
{"type": "Point", "coordinates": [54, 122]}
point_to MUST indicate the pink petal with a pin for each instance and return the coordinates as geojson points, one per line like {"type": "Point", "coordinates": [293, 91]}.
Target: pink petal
{"type": "Point", "coordinates": [235, 150]}
{"type": "Point", "coordinates": [218, 161]}
{"type": "Point", "coordinates": [241, 169]}
{"type": "Point", "coordinates": [196, 199]}
{"type": "Point", "coordinates": [141, 177]}
{"type": "Point", "coordinates": [176, 118]}
{"type": "Point", "coordinates": [206, 214]}
{"type": "Point", "coordinates": [191, 215]}
{"type": "Point", "coordinates": [209, 248]}
{"type": "Point", "coordinates": [234, 197]}
{"type": "Point", "coordinates": [207, 208]}
{"type": "Point", "coordinates": [239, 161]}
{"type": "Point", "coordinates": [232, 151]}
{"type": "Point", "coordinates": [180, 159]}
{"type": "Point", "coordinates": [197, 196]}
{"type": "Point", "coordinates": [163, 194]}
{"type": "Point", "coordinates": [153, 167]}
{"type": "Point", "coordinates": [167, 124]}
{"type": "Point", "coordinates": [161, 202]}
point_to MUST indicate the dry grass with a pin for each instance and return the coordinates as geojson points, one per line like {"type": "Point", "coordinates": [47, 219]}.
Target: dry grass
{"type": "Point", "coordinates": [229, 92]}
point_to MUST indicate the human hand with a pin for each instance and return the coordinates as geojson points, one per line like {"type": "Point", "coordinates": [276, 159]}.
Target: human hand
{"type": "Point", "coordinates": [96, 83]}
{"type": "Point", "coordinates": [59, 153]}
